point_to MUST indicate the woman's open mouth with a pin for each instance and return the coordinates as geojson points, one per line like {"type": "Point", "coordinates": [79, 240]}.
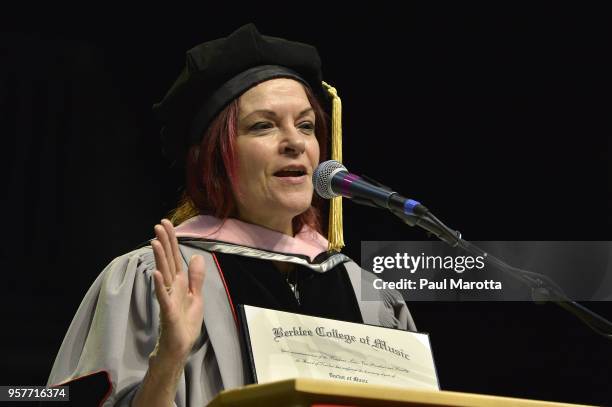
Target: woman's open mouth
{"type": "Point", "coordinates": [292, 174]}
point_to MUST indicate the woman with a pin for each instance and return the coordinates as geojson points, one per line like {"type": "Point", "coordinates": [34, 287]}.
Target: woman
{"type": "Point", "coordinates": [246, 108]}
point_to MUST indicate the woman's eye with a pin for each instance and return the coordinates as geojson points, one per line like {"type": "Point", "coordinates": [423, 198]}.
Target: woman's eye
{"type": "Point", "coordinates": [261, 126]}
{"type": "Point", "coordinates": [308, 126]}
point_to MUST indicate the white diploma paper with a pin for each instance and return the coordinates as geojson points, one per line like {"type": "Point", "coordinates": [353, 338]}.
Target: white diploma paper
{"type": "Point", "coordinates": [286, 346]}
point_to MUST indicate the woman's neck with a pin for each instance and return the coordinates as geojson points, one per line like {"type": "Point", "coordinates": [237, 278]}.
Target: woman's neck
{"type": "Point", "coordinates": [278, 224]}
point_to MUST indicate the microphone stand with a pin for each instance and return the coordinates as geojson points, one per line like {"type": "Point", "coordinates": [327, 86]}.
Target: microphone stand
{"type": "Point", "coordinates": [543, 289]}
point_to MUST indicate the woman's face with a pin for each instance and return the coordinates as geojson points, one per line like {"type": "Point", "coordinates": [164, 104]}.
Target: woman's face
{"type": "Point", "coordinates": [277, 153]}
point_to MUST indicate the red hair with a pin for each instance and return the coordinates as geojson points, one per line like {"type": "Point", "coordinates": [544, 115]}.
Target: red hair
{"type": "Point", "coordinates": [211, 170]}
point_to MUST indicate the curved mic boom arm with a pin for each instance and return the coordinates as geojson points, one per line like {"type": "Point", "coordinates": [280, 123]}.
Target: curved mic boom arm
{"type": "Point", "coordinates": [543, 289]}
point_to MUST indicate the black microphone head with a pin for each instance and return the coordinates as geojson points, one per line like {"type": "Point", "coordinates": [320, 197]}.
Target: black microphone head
{"type": "Point", "coordinates": [322, 177]}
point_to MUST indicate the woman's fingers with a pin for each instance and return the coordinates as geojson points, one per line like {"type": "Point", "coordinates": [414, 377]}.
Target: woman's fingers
{"type": "Point", "coordinates": [196, 274]}
{"type": "Point", "coordinates": [162, 237]}
{"type": "Point", "coordinates": [163, 297]}
{"type": "Point", "coordinates": [180, 302]}
{"type": "Point", "coordinates": [176, 254]}
{"type": "Point", "coordinates": [161, 262]}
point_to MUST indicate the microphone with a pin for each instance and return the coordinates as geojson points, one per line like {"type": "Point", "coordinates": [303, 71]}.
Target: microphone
{"type": "Point", "coordinates": [332, 179]}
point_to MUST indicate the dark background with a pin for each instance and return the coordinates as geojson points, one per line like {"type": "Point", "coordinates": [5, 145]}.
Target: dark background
{"type": "Point", "coordinates": [496, 118]}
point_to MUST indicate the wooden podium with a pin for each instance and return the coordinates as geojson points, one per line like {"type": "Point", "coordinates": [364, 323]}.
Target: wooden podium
{"type": "Point", "coordinates": [311, 392]}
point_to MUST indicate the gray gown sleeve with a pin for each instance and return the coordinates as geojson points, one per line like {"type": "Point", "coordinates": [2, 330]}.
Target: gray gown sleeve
{"type": "Point", "coordinates": [390, 310]}
{"type": "Point", "coordinates": [115, 329]}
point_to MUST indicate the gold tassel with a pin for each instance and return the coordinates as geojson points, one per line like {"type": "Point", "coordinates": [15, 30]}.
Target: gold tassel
{"type": "Point", "coordinates": [335, 235]}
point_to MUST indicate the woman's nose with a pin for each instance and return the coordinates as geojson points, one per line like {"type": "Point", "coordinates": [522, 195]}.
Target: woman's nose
{"type": "Point", "coordinates": [293, 143]}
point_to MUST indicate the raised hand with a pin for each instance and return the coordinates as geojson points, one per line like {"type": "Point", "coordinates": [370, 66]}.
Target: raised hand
{"type": "Point", "coordinates": [178, 293]}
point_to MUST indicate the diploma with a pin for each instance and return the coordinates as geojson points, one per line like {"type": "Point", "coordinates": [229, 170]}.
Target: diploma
{"type": "Point", "coordinates": [283, 345]}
